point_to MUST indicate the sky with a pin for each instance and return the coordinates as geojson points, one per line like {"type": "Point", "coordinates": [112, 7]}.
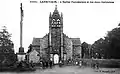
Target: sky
{"type": "Point", "coordinates": [87, 21]}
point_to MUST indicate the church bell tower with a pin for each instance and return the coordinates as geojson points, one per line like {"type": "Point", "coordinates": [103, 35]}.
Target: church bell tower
{"type": "Point", "coordinates": [56, 33]}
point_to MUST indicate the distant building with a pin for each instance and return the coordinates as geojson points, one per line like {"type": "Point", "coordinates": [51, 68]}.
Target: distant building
{"type": "Point", "coordinates": [33, 56]}
{"type": "Point", "coordinates": [56, 45]}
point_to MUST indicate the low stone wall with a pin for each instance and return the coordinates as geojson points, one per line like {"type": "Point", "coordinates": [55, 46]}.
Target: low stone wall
{"type": "Point", "coordinates": [110, 63]}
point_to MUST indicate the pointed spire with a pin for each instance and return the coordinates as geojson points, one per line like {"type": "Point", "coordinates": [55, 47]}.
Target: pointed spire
{"type": "Point", "coordinates": [55, 11]}
{"type": "Point", "coordinates": [55, 7]}
{"type": "Point", "coordinates": [50, 14]}
{"type": "Point", "coordinates": [61, 14]}
{"type": "Point", "coordinates": [61, 18]}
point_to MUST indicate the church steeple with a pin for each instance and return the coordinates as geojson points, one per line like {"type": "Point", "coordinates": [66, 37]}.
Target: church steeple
{"type": "Point", "coordinates": [55, 19]}
{"type": "Point", "coordinates": [56, 11]}
{"type": "Point", "coordinates": [55, 7]}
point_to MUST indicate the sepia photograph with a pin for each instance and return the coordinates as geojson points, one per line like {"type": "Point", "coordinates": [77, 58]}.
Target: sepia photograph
{"type": "Point", "coordinates": [60, 37]}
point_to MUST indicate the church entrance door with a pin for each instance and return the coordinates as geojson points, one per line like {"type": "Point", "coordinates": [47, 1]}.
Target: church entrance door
{"type": "Point", "coordinates": [56, 59]}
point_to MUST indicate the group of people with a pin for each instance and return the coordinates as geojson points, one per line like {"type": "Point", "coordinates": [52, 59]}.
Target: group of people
{"type": "Point", "coordinates": [46, 64]}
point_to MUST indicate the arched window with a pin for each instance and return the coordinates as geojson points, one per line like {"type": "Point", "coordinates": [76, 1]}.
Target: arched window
{"type": "Point", "coordinates": [58, 20]}
{"type": "Point", "coordinates": [53, 20]}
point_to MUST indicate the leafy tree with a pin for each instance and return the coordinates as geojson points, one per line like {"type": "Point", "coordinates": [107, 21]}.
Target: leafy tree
{"type": "Point", "coordinates": [109, 47]}
{"type": "Point", "coordinates": [5, 42]}
{"type": "Point", "coordinates": [114, 43]}
{"type": "Point", "coordinates": [6, 47]}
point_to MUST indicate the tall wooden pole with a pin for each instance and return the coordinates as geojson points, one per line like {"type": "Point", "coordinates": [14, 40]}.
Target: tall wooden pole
{"type": "Point", "coordinates": [21, 54]}
{"type": "Point", "coordinates": [21, 49]}
{"type": "Point", "coordinates": [21, 25]}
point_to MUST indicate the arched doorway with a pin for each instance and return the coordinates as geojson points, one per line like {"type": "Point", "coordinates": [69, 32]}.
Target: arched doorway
{"type": "Point", "coordinates": [56, 59]}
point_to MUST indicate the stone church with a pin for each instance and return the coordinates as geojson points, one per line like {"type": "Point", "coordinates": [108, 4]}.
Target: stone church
{"type": "Point", "coordinates": [55, 45]}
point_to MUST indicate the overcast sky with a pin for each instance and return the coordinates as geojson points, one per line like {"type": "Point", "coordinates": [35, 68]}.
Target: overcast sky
{"type": "Point", "coordinates": [87, 21]}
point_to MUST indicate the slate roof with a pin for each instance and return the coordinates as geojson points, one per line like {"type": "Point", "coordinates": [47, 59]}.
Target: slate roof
{"type": "Point", "coordinates": [35, 50]}
{"type": "Point", "coordinates": [36, 41]}
{"type": "Point", "coordinates": [46, 36]}
{"type": "Point", "coordinates": [76, 41]}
